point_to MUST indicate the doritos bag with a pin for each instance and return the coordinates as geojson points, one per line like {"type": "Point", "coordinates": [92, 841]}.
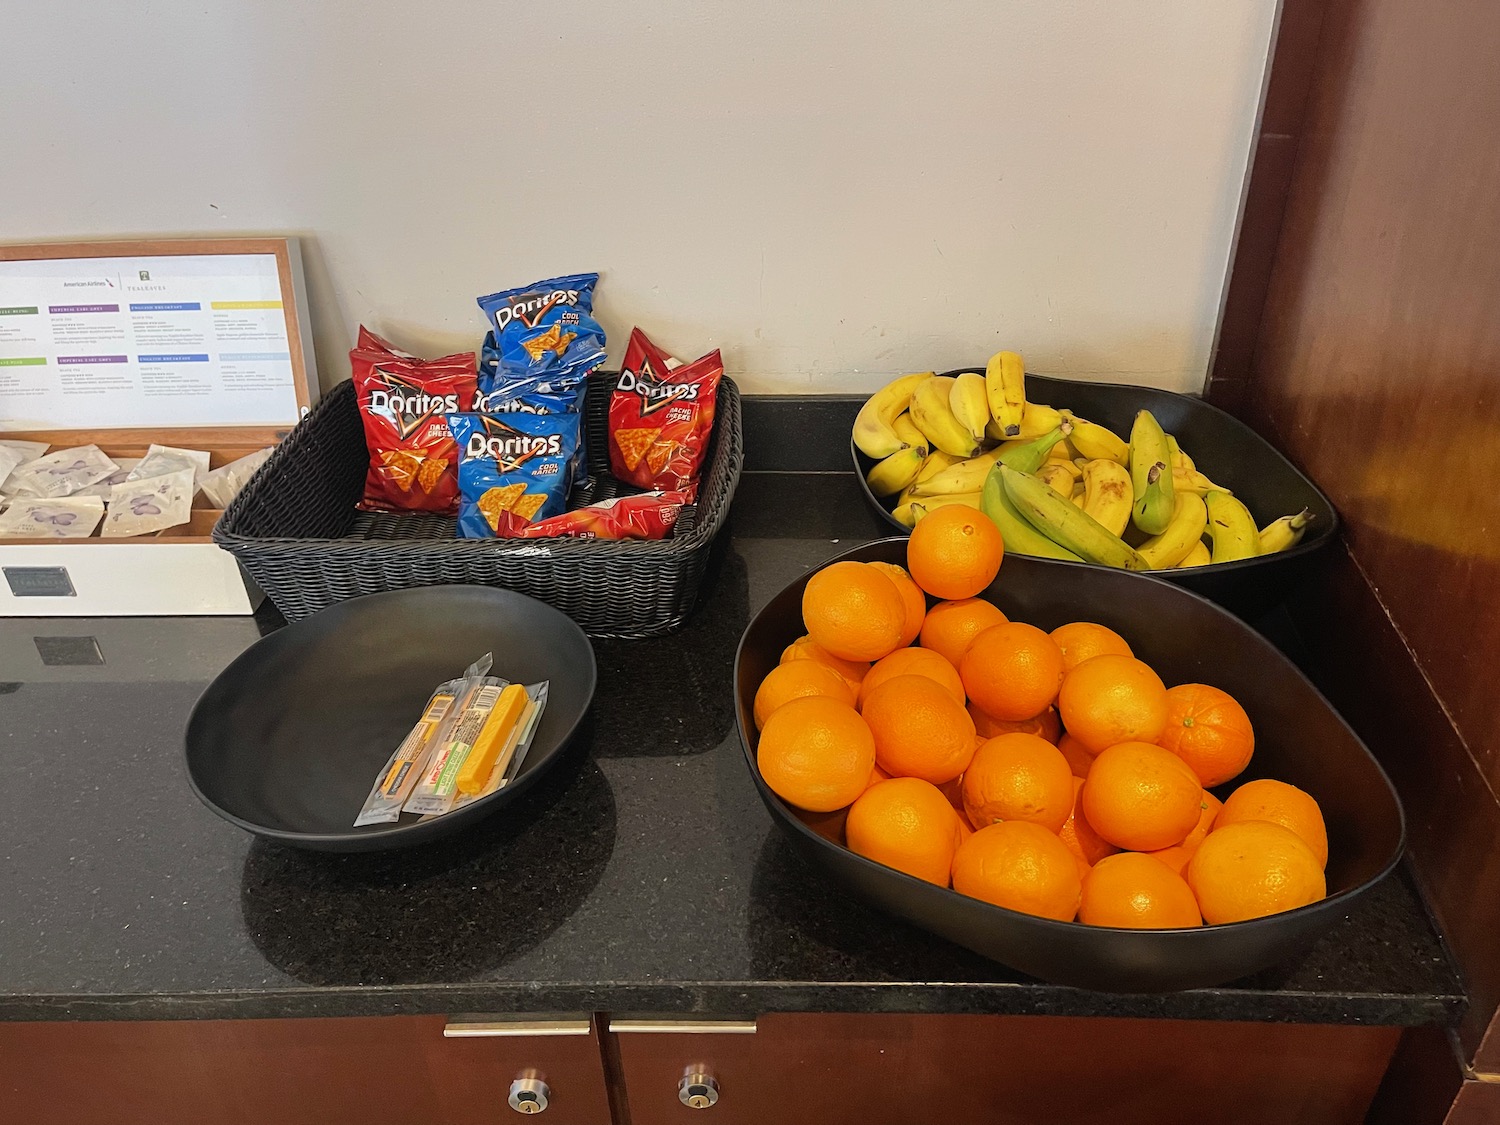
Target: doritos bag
{"type": "Point", "coordinates": [660, 418]}
{"type": "Point", "coordinates": [527, 304]}
{"type": "Point", "coordinates": [513, 469]}
{"type": "Point", "coordinates": [558, 392]}
{"type": "Point", "coordinates": [404, 403]}
{"type": "Point", "coordinates": [651, 515]}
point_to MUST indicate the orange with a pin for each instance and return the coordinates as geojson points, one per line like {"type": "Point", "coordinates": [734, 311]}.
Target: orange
{"type": "Point", "coordinates": [816, 753]}
{"type": "Point", "coordinates": [1083, 640]}
{"type": "Point", "coordinates": [1208, 812]}
{"type": "Point", "coordinates": [1251, 869]}
{"type": "Point", "coordinates": [805, 648]}
{"type": "Point", "coordinates": [1012, 671]}
{"type": "Point", "coordinates": [919, 730]}
{"type": "Point", "coordinates": [950, 626]}
{"type": "Point", "coordinates": [1020, 866]}
{"type": "Point", "coordinates": [1018, 777]}
{"type": "Point", "coordinates": [954, 790]}
{"type": "Point", "coordinates": [1140, 797]}
{"type": "Point", "coordinates": [1136, 892]}
{"type": "Point", "coordinates": [954, 552]}
{"type": "Point", "coordinates": [1079, 759]}
{"type": "Point", "coordinates": [907, 824]}
{"type": "Point", "coordinates": [1175, 858]}
{"type": "Point", "coordinates": [1112, 699]}
{"type": "Point", "coordinates": [795, 680]}
{"type": "Point", "coordinates": [1046, 725]}
{"type": "Point", "coordinates": [911, 597]}
{"type": "Point", "coordinates": [853, 611]}
{"type": "Point", "coordinates": [913, 662]}
{"type": "Point", "coordinates": [1209, 731]}
{"type": "Point", "coordinates": [877, 775]}
{"type": "Point", "coordinates": [1079, 835]}
{"type": "Point", "coordinates": [1282, 804]}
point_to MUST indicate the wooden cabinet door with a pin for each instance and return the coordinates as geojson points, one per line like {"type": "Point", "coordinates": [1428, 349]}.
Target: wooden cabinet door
{"type": "Point", "coordinates": [397, 1070]}
{"type": "Point", "coordinates": [982, 1070]}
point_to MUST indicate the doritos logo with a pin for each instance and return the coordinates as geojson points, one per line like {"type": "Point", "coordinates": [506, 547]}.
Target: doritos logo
{"type": "Point", "coordinates": [509, 449]}
{"type": "Point", "coordinates": [653, 391]}
{"type": "Point", "coordinates": [409, 407]}
{"type": "Point", "coordinates": [529, 309]}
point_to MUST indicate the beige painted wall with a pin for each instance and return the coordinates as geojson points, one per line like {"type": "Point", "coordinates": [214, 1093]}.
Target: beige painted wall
{"type": "Point", "coordinates": [831, 192]}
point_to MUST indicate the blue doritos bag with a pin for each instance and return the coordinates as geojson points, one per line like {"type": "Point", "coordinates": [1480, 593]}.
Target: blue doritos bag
{"type": "Point", "coordinates": [512, 469]}
{"type": "Point", "coordinates": [527, 304]}
{"type": "Point", "coordinates": [559, 391]}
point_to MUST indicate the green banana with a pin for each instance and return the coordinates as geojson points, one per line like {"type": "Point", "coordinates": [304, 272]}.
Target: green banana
{"type": "Point", "coordinates": [891, 474]}
{"type": "Point", "coordinates": [907, 431]}
{"type": "Point", "coordinates": [1067, 525]}
{"type": "Point", "coordinates": [934, 417]}
{"type": "Point", "coordinates": [970, 403]}
{"type": "Point", "coordinates": [874, 435]}
{"type": "Point", "coordinates": [1107, 494]}
{"type": "Point", "coordinates": [1285, 532]}
{"type": "Point", "coordinates": [1198, 556]}
{"type": "Point", "coordinates": [1232, 528]}
{"type": "Point", "coordinates": [1150, 475]}
{"type": "Point", "coordinates": [1029, 456]}
{"type": "Point", "coordinates": [1183, 533]}
{"type": "Point", "coordinates": [1095, 442]}
{"type": "Point", "coordinates": [1005, 381]}
{"type": "Point", "coordinates": [913, 510]}
{"type": "Point", "coordinates": [966, 476]}
{"type": "Point", "coordinates": [1018, 535]}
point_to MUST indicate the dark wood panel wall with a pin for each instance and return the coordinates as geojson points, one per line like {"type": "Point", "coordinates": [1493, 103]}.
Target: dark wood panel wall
{"type": "Point", "coordinates": [1362, 334]}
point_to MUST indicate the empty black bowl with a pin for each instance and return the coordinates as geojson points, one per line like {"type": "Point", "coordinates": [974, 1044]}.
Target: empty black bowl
{"type": "Point", "coordinates": [1299, 739]}
{"type": "Point", "coordinates": [1227, 450]}
{"type": "Point", "coordinates": [288, 740]}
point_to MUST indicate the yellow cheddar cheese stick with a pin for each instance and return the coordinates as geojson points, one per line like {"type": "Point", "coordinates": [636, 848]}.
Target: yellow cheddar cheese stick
{"type": "Point", "coordinates": [481, 759]}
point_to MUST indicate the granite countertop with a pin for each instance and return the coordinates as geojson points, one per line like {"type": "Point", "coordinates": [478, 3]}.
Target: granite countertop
{"type": "Point", "coordinates": [644, 876]}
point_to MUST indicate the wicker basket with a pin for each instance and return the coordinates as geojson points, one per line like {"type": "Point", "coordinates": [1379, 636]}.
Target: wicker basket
{"type": "Point", "coordinates": [296, 530]}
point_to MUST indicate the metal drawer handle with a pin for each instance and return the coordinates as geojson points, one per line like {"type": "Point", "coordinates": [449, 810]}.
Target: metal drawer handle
{"type": "Point", "coordinates": [682, 1027]}
{"type": "Point", "coordinates": [496, 1029]}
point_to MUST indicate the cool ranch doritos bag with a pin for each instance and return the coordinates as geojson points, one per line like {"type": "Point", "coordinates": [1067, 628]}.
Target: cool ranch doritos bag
{"type": "Point", "coordinates": [513, 469]}
{"type": "Point", "coordinates": [661, 417]}
{"type": "Point", "coordinates": [404, 403]}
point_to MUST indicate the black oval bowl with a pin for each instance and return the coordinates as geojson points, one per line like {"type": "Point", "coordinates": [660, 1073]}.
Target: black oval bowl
{"type": "Point", "coordinates": [1223, 447]}
{"type": "Point", "coordinates": [1299, 739]}
{"type": "Point", "coordinates": [288, 739]}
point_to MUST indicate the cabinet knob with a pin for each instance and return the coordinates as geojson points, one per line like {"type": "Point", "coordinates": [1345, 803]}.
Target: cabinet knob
{"type": "Point", "coordinates": [698, 1090]}
{"type": "Point", "coordinates": [529, 1095]}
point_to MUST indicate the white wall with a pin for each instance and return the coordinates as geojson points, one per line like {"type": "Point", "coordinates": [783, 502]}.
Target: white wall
{"type": "Point", "coordinates": [832, 192]}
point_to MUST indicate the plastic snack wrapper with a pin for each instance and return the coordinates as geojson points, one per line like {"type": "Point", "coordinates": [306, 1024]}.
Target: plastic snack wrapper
{"type": "Point", "coordinates": [69, 517]}
{"type": "Point", "coordinates": [163, 459]}
{"type": "Point", "coordinates": [62, 473]}
{"type": "Point", "coordinates": [226, 482]}
{"type": "Point", "coordinates": [437, 787]}
{"type": "Point", "coordinates": [661, 417]}
{"type": "Point", "coordinates": [513, 469]}
{"type": "Point", "coordinates": [527, 305]}
{"type": "Point", "coordinates": [650, 515]}
{"type": "Point", "coordinates": [485, 772]}
{"type": "Point", "coordinates": [401, 773]}
{"type": "Point", "coordinates": [555, 392]}
{"type": "Point", "coordinates": [139, 507]}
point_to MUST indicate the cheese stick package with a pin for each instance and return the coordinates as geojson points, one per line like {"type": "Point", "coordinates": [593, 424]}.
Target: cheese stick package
{"type": "Point", "coordinates": [437, 787]}
{"type": "Point", "coordinates": [511, 743]}
{"type": "Point", "coordinates": [401, 772]}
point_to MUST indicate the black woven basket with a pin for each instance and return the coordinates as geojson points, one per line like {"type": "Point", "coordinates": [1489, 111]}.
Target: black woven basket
{"type": "Point", "coordinates": [296, 530]}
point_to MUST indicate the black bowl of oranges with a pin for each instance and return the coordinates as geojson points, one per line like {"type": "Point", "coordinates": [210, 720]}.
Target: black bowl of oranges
{"type": "Point", "coordinates": [1095, 777]}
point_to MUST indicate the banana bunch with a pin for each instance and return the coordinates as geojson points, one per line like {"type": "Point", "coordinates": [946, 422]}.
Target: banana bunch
{"type": "Point", "coordinates": [1057, 485]}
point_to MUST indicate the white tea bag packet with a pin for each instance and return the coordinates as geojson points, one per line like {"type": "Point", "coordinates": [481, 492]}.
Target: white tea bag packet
{"type": "Point", "coordinates": [119, 476]}
{"type": "Point", "coordinates": [69, 517]}
{"type": "Point", "coordinates": [9, 459]}
{"type": "Point", "coordinates": [163, 459]}
{"type": "Point", "coordinates": [29, 450]}
{"type": "Point", "coordinates": [139, 507]}
{"type": "Point", "coordinates": [62, 473]}
{"type": "Point", "coordinates": [224, 483]}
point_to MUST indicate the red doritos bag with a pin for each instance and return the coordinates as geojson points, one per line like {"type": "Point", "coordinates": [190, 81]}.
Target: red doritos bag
{"type": "Point", "coordinates": [404, 403]}
{"type": "Point", "coordinates": [660, 418]}
{"type": "Point", "coordinates": [648, 516]}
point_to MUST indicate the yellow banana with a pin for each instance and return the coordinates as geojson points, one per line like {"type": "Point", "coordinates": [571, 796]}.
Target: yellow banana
{"type": "Point", "coordinates": [874, 432]}
{"type": "Point", "coordinates": [1019, 536]}
{"type": "Point", "coordinates": [1285, 532]}
{"type": "Point", "coordinates": [1063, 450]}
{"type": "Point", "coordinates": [934, 417]}
{"type": "Point", "coordinates": [1037, 420]}
{"type": "Point", "coordinates": [1232, 528]}
{"type": "Point", "coordinates": [1180, 459]}
{"type": "Point", "coordinates": [1183, 533]}
{"type": "Point", "coordinates": [913, 510]}
{"type": "Point", "coordinates": [1198, 556]}
{"type": "Point", "coordinates": [966, 476]}
{"type": "Point", "coordinates": [1066, 525]}
{"type": "Point", "coordinates": [935, 463]}
{"type": "Point", "coordinates": [1150, 475]}
{"type": "Point", "coordinates": [891, 474]}
{"type": "Point", "coordinates": [1107, 494]}
{"type": "Point", "coordinates": [1056, 474]}
{"type": "Point", "coordinates": [970, 403]}
{"type": "Point", "coordinates": [1005, 381]}
{"type": "Point", "coordinates": [1095, 442]}
{"type": "Point", "coordinates": [1191, 480]}
{"type": "Point", "coordinates": [907, 431]}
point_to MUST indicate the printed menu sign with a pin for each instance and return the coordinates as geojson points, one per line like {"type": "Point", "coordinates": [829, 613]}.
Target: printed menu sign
{"type": "Point", "coordinates": [189, 340]}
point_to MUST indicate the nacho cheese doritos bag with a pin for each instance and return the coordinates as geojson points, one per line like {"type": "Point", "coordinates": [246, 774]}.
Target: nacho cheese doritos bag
{"type": "Point", "coordinates": [404, 403]}
{"type": "Point", "coordinates": [660, 417]}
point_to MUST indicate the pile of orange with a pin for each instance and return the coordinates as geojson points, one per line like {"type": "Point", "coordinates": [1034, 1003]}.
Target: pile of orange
{"type": "Point", "coordinates": [1050, 773]}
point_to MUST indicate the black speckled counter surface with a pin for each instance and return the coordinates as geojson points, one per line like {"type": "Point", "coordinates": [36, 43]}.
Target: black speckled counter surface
{"type": "Point", "coordinates": [645, 877]}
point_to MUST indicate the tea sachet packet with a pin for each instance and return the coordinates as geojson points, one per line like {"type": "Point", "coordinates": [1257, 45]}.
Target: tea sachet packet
{"type": "Point", "coordinates": [70, 517]}
{"type": "Point", "coordinates": [139, 507]}
{"type": "Point", "coordinates": [62, 473]}
{"type": "Point", "coordinates": [119, 476]}
{"type": "Point", "coordinates": [224, 483]}
{"type": "Point", "coordinates": [163, 459]}
{"type": "Point", "coordinates": [9, 459]}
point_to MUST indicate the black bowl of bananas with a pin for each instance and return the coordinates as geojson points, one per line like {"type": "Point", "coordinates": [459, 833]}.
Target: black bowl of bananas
{"type": "Point", "coordinates": [1114, 475]}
